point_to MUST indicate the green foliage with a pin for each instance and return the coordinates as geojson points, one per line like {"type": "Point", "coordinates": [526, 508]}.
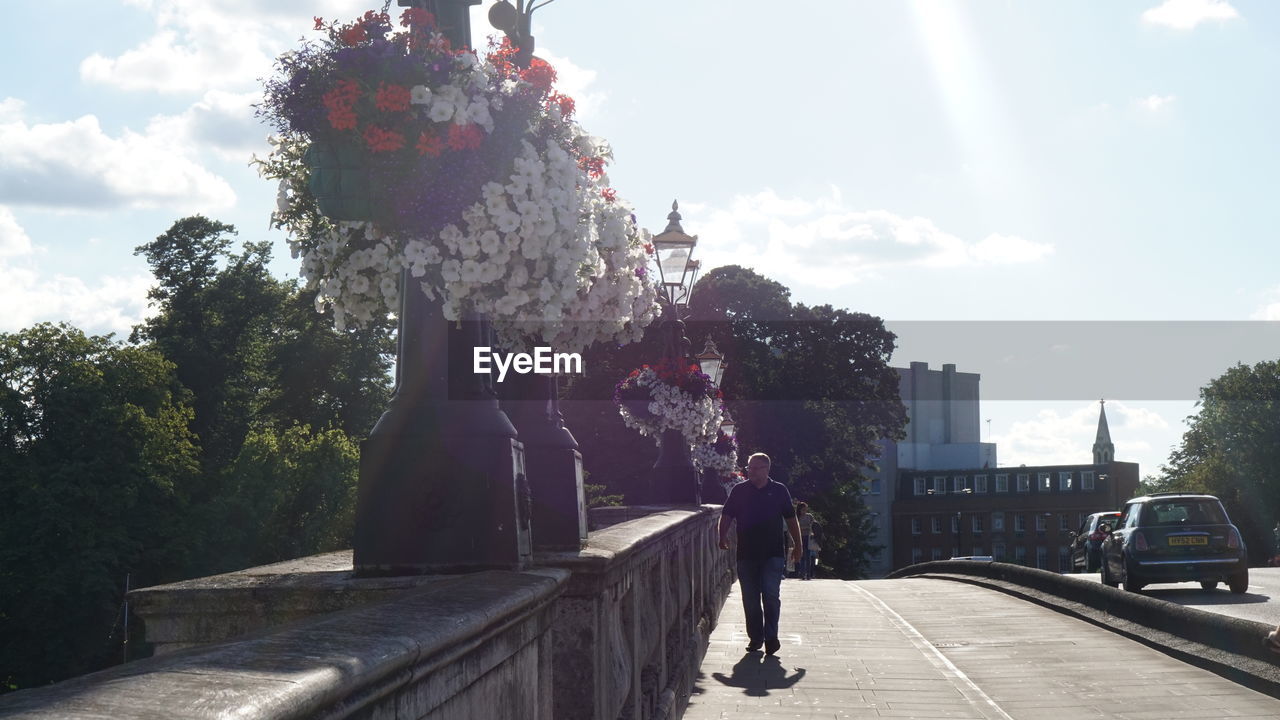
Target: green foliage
{"type": "Point", "coordinates": [97, 457]}
{"type": "Point", "coordinates": [810, 386]}
{"type": "Point", "coordinates": [1230, 449]}
{"type": "Point", "coordinates": [224, 437]}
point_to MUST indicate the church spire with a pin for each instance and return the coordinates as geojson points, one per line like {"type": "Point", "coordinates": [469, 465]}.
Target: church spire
{"type": "Point", "coordinates": [1103, 451]}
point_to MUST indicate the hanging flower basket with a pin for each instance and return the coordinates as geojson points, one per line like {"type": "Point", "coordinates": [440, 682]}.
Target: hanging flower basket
{"type": "Point", "coordinates": [720, 456]}
{"type": "Point", "coordinates": [653, 399]}
{"type": "Point", "coordinates": [395, 152]}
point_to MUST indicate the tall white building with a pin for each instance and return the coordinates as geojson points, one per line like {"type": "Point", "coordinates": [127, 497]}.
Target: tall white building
{"type": "Point", "coordinates": [943, 431]}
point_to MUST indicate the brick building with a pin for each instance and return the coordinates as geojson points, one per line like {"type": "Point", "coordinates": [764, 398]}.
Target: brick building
{"type": "Point", "coordinates": [1015, 514]}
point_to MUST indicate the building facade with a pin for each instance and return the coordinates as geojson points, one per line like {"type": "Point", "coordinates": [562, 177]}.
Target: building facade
{"type": "Point", "coordinates": [943, 431]}
{"type": "Point", "coordinates": [1023, 515]}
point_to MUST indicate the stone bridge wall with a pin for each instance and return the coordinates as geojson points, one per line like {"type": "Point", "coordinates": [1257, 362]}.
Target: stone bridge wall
{"type": "Point", "coordinates": [614, 631]}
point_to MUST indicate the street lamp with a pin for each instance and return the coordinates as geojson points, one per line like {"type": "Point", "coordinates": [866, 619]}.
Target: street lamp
{"type": "Point", "coordinates": [728, 425]}
{"type": "Point", "coordinates": [711, 362]}
{"type": "Point", "coordinates": [673, 479]}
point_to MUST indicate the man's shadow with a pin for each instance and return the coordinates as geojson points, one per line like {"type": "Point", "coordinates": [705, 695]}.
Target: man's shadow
{"type": "Point", "coordinates": [757, 674]}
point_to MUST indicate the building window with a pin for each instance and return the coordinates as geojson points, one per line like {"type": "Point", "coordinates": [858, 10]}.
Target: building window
{"type": "Point", "coordinates": [1024, 482]}
{"type": "Point", "coordinates": [997, 522]}
{"type": "Point", "coordinates": [977, 551]}
{"type": "Point", "coordinates": [1020, 555]}
{"type": "Point", "coordinates": [937, 525]}
{"type": "Point", "coordinates": [915, 526]}
{"type": "Point", "coordinates": [916, 555]}
{"type": "Point", "coordinates": [1064, 558]}
{"type": "Point", "coordinates": [955, 524]}
{"type": "Point", "coordinates": [1086, 480]}
{"type": "Point", "coordinates": [977, 525]}
{"type": "Point", "coordinates": [1042, 557]}
{"type": "Point", "coordinates": [1064, 521]}
{"type": "Point", "coordinates": [955, 551]}
{"type": "Point", "coordinates": [957, 484]}
{"type": "Point", "coordinates": [1080, 519]}
{"type": "Point", "coordinates": [935, 554]}
{"type": "Point", "coordinates": [1019, 523]}
{"type": "Point", "coordinates": [1002, 483]}
{"type": "Point", "coordinates": [877, 555]}
{"type": "Point", "coordinates": [875, 486]}
{"type": "Point", "coordinates": [1064, 482]}
{"type": "Point", "coordinates": [875, 522]}
{"type": "Point", "coordinates": [939, 486]}
{"type": "Point", "coordinates": [997, 552]}
{"type": "Point", "coordinates": [980, 484]}
{"type": "Point", "coordinates": [920, 485]}
{"type": "Point", "coordinates": [1041, 525]}
{"type": "Point", "coordinates": [1043, 482]}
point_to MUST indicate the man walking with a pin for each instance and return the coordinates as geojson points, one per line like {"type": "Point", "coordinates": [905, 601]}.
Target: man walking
{"type": "Point", "coordinates": [760, 507]}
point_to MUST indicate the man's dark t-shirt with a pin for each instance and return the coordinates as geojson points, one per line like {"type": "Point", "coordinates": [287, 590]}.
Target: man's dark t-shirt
{"type": "Point", "coordinates": [759, 516]}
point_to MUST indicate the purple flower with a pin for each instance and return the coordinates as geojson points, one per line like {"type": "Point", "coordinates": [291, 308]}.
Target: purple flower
{"type": "Point", "coordinates": [641, 272]}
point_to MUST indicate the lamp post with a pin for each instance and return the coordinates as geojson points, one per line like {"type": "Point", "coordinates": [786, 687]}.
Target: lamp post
{"type": "Point", "coordinates": [711, 362]}
{"type": "Point", "coordinates": [673, 479]}
{"type": "Point", "coordinates": [442, 486]}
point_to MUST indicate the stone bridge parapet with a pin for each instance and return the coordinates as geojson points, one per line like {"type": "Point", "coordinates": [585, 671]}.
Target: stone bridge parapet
{"type": "Point", "coordinates": [616, 630]}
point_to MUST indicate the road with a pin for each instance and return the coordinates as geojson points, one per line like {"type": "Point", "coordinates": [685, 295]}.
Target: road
{"type": "Point", "coordinates": [1256, 604]}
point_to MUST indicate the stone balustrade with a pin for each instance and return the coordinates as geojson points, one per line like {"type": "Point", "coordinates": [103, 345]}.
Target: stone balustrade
{"type": "Point", "coordinates": [616, 630]}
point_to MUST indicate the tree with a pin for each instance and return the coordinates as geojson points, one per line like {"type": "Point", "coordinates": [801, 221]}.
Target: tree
{"type": "Point", "coordinates": [810, 386]}
{"type": "Point", "coordinates": [1230, 450]}
{"type": "Point", "coordinates": [97, 454]}
{"type": "Point", "coordinates": [259, 360]}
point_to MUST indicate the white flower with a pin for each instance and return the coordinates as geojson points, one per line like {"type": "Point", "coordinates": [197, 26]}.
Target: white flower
{"type": "Point", "coordinates": [419, 95]}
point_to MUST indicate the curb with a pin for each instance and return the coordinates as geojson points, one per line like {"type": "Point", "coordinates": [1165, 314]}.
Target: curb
{"type": "Point", "coordinates": [1226, 646]}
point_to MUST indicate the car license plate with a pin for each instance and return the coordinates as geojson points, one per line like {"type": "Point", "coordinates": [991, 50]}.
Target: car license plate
{"type": "Point", "coordinates": [1189, 540]}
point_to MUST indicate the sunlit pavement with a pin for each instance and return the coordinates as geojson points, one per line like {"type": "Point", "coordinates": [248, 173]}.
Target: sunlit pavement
{"type": "Point", "coordinates": [923, 648]}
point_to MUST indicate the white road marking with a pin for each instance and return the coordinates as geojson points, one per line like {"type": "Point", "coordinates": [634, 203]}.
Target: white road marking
{"type": "Point", "coordinates": [967, 687]}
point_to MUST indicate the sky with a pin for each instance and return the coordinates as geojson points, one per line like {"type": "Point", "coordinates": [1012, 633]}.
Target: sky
{"type": "Point", "coordinates": [1073, 198]}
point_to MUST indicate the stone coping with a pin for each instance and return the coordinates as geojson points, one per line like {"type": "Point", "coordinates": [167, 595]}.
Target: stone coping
{"type": "Point", "coordinates": [613, 545]}
{"type": "Point", "coordinates": [1231, 647]}
{"type": "Point", "coordinates": [305, 668]}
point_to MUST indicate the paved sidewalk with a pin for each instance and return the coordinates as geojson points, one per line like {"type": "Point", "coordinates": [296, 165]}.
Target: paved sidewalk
{"type": "Point", "coordinates": [925, 648]}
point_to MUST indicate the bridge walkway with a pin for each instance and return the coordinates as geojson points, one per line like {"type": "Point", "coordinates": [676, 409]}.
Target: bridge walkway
{"type": "Point", "coordinates": [929, 648]}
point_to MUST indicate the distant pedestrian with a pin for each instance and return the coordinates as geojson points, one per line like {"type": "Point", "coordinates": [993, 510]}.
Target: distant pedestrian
{"type": "Point", "coordinates": [761, 508]}
{"type": "Point", "coordinates": [809, 532]}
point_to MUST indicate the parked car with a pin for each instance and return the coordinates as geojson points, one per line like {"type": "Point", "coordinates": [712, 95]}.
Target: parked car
{"type": "Point", "coordinates": [1086, 546]}
{"type": "Point", "coordinates": [1175, 537]}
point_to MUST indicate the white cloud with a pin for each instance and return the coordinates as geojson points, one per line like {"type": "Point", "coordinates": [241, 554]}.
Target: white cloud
{"type": "Point", "coordinates": [221, 121]}
{"type": "Point", "coordinates": [77, 165]}
{"type": "Point", "coordinates": [1270, 309]}
{"type": "Point", "coordinates": [576, 81]}
{"type": "Point", "coordinates": [111, 304]}
{"type": "Point", "coordinates": [1186, 14]}
{"type": "Point", "coordinates": [1066, 435]}
{"type": "Point", "coordinates": [1155, 103]}
{"type": "Point", "coordinates": [825, 243]}
{"type": "Point", "coordinates": [13, 238]}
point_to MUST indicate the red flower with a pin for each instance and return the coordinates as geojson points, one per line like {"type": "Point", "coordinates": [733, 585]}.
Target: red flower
{"type": "Point", "coordinates": [609, 194]}
{"type": "Point", "coordinates": [319, 22]}
{"type": "Point", "coordinates": [430, 145]}
{"type": "Point", "coordinates": [392, 98]}
{"type": "Point", "coordinates": [417, 17]}
{"type": "Point", "coordinates": [566, 103]}
{"type": "Point", "coordinates": [593, 165]}
{"type": "Point", "coordinates": [342, 118]}
{"type": "Point", "coordinates": [353, 35]}
{"type": "Point", "coordinates": [539, 74]}
{"type": "Point", "coordinates": [465, 137]}
{"type": "Point", "coordinates": [648, 248]}
{"type": "Point", "coordinates": [380, 140]}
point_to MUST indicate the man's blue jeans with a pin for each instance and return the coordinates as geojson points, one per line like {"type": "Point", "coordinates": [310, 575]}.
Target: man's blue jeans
{"type": "Point", "coordinates": [761, 583]}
